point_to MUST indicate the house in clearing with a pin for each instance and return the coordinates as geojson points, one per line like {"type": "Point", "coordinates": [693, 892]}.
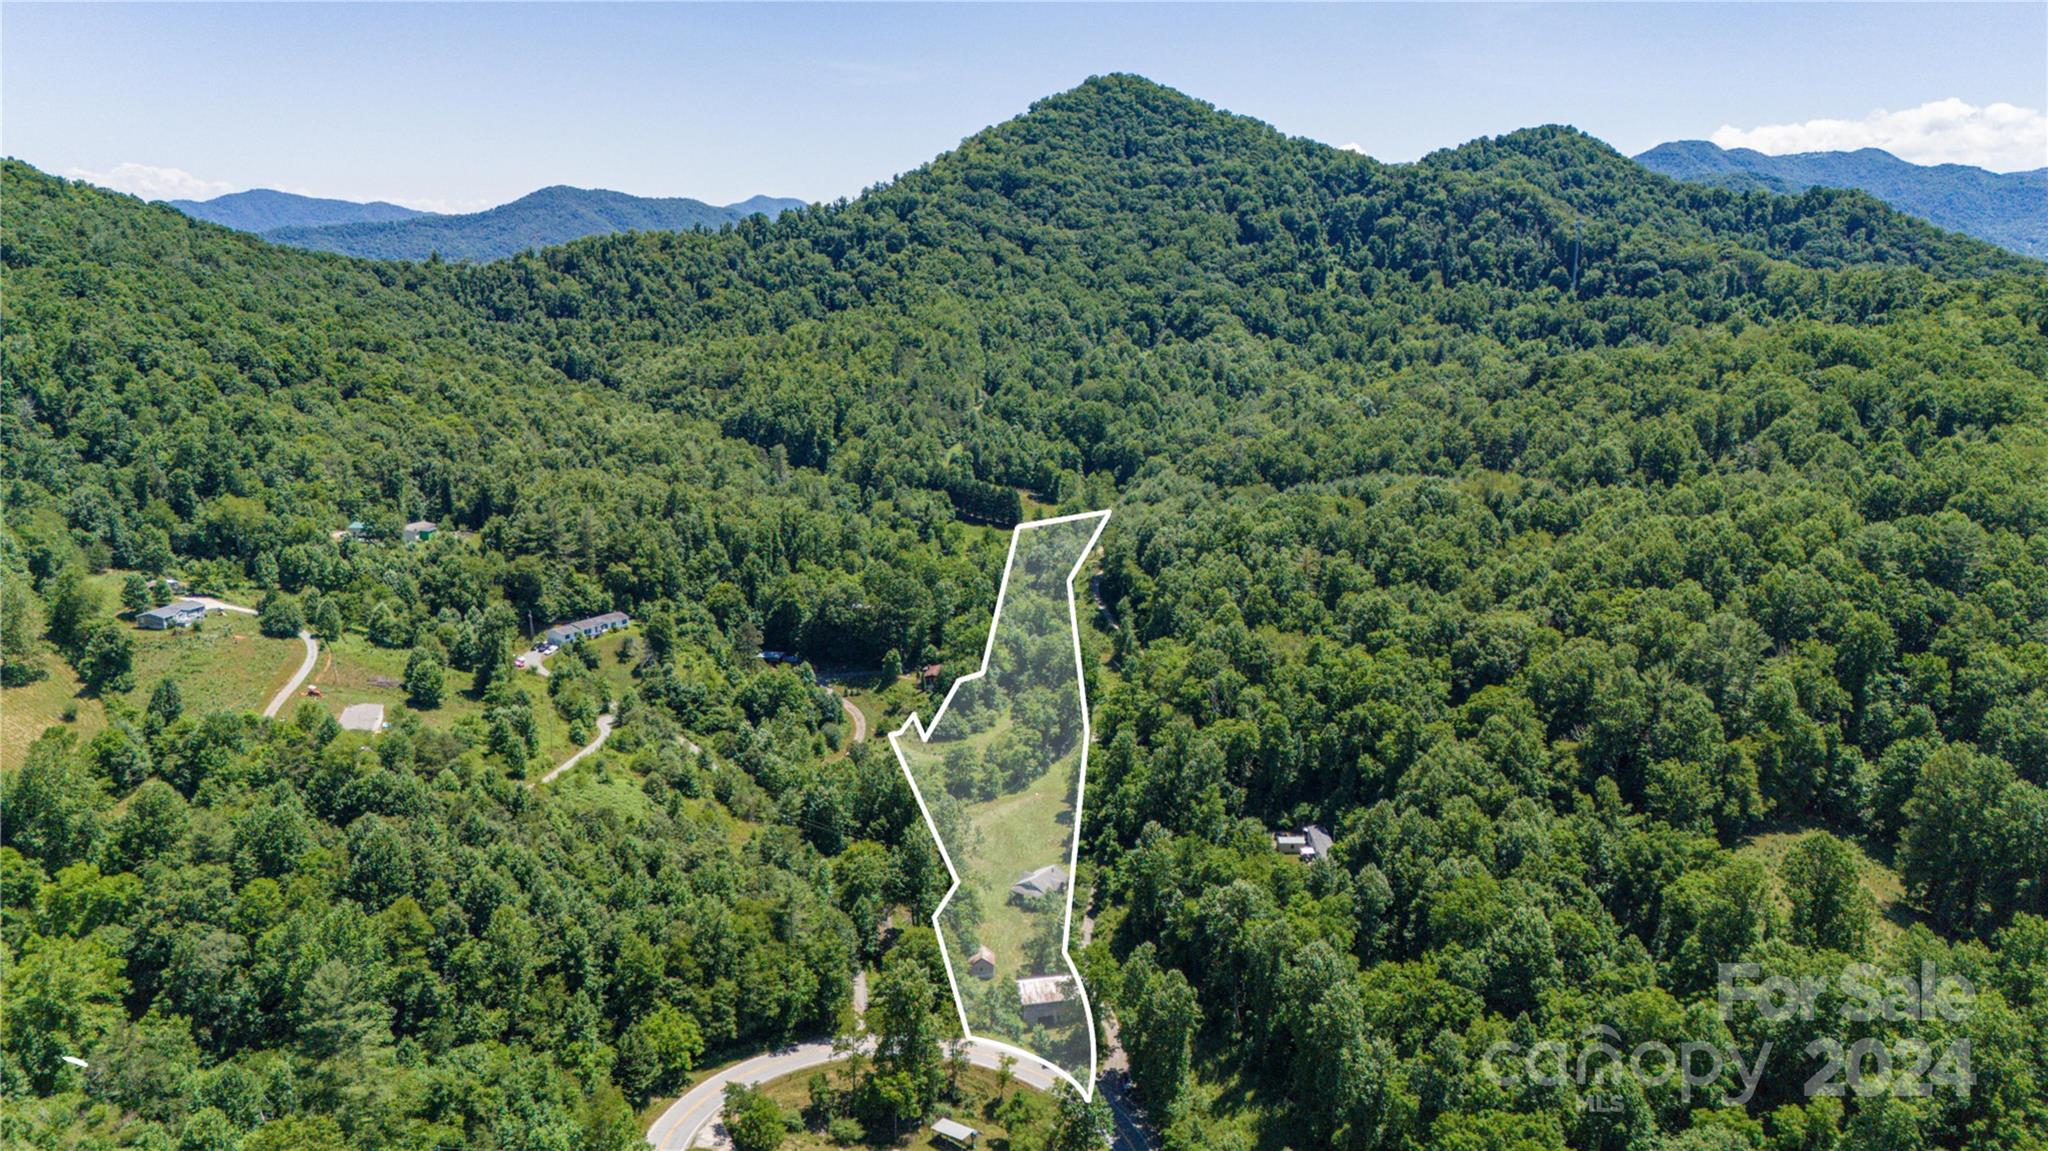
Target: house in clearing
{"type": "Point", "coordinates": [1043, 998]}
{"type": "Point", "coordinates": [418, 530]}
{"type": "Point", "coordinates": [589, 628]}
{"type": "Point", "coordinates": [1318, 843]}
{"type": "Point", "coordinates": [983, 965]}
{"type": "Point", "coordinates": [955, 1133]}
{"type": "Point", "coordinates": [1308, 845]}
{"type": "Point", "coordinates": [1040, 883]}
{"type": "Point", "coordinates": [178, 613]}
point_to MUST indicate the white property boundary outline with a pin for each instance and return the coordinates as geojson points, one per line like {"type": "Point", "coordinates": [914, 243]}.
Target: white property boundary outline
{"type": "Point", "coordinates": [924, 730]}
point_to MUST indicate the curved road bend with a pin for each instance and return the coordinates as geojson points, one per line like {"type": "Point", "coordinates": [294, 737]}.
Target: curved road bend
{"type": "Point", "coordinates": [285, 693]}
{"type": "Point", "coordinates": [694, 1113]}
{"type": "Point", "coordinates": [859, 719]}
{"type": "Point", "coordinates": [604, 732]}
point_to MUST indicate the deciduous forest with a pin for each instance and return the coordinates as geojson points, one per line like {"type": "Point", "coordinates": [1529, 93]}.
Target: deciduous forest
{"type": "Point", "coordinates": [1633, 578]}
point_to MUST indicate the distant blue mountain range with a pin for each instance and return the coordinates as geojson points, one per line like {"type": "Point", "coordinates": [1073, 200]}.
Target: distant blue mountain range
{"type": "Point", "coordinates": [550, 216]}
{"type": "Point", "coordinates": [2009, 209]}
{"type": "Point", "coordinates": [263, 209]}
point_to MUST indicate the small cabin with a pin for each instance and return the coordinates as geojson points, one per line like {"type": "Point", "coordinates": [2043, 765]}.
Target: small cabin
{"type": "Point", "coordinates": [418, 530]}
{"type": "Point", "coordinates": [1308, 845]}
{"type": "Point", "coordinates": [983, 965]}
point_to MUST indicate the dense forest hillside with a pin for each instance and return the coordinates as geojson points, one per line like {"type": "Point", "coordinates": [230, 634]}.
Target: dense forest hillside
{"type": "Point", "coordinates": [1633, 577]}
{"type": "Point", "coordinates": [262, 209]}
{"type": "Point", "coordinates": [550, 216]}
{"type": "Point", "coordinates": [2009, 209]}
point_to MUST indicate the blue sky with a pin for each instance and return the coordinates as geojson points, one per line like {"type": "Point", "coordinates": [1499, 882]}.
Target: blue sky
{"type": "Point", "coordinates": [457, 107]}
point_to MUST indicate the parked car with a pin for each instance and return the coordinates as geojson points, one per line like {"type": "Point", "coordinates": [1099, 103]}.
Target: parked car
{"type": "Point", "coordinates": [519, 661]}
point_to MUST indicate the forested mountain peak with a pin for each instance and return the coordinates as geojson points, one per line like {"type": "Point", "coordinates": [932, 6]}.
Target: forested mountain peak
{"type": "Point", "coordinates": [1558, 144]}
{"type": "Point", "coordinates": [1122, 152]}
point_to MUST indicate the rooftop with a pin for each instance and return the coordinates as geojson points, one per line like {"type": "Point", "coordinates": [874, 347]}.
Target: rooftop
{"type": "Point", "coordinates": [577, 625]}
{"type": "Point", "coordinates": [1042, 989]}
{"type": "Point", "coordinates": [1046, 879]}
{"type": "Point", "coordinates": [176, 607]}
{"type": "Point", "coordinates": [1318, 840]}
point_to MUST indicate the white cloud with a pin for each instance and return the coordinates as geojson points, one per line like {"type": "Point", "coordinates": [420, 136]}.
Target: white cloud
{"type": "Point", "coordinates": [446, 207]}
{"type": "Point", "coordinates": [1353, 146]}
{"type": "Point", "coordinates": [2001, 137]}
{"type": "Point", "coordinates": [156, 183]}
{"type": "Point", "coordinates": [153, 183]}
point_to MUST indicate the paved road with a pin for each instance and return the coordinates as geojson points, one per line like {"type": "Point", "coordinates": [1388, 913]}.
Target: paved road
{"type": "Point", "coordinates": [859, 719]}
{"type": "Point", "coordinates": [604, 732]}
{"type": "Point", "coordinates": [1131, 1135]}
{"type": "Point", "coordinates": [285, 693]}
{"type": "Point", "coordinates": [695, 1114]}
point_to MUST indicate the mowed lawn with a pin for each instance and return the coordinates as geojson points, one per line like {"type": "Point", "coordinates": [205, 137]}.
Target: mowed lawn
{"type": "Point", "coordinates": [352, 670]}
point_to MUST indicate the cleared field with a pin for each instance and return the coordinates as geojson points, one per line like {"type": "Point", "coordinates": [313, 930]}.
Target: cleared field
{"type": "Point", "coordinates": [224, 664]}
{"type": "Point", "coordinates": [1029, 825]}
{"type": "Point", "coordinates": [26, 712]}
{"type": "Point", "coordinates": [353, 670]}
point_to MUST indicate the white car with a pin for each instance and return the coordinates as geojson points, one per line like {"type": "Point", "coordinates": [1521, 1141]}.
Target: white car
{"type": "Point", "coordinates": [519, 661]}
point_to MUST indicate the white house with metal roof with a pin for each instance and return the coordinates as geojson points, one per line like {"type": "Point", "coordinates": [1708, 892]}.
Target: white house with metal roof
{"type": "Point", "coordinates": [178, 613]}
